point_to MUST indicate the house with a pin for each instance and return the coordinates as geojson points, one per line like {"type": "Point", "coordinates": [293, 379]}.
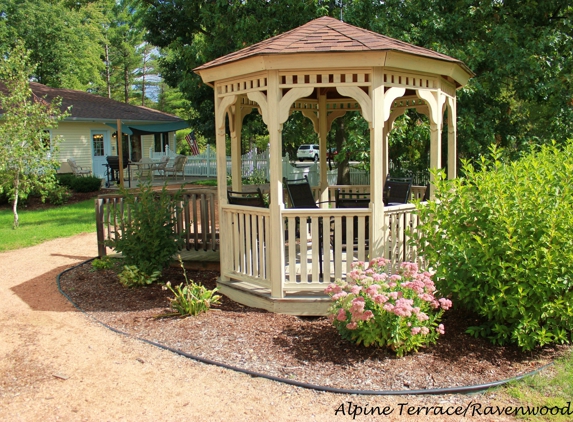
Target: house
{"type": "Point", "coordinates": [90, 132]}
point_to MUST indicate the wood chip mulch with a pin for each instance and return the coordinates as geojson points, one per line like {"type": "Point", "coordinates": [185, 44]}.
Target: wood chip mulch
{"type": "Point", "coordinates": [304, 349]}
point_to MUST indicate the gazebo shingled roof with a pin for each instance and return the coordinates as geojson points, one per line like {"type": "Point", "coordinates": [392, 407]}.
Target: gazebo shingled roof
{"type": "Point", "coordinates": [327, 34]}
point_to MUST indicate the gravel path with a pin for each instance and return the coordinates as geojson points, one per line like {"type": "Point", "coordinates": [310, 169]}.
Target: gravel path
{"type": "Point", "coordinates": [58, 365]}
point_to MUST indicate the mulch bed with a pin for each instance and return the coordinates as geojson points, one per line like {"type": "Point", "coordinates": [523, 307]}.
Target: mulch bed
{"type": "Point", "coordinates": [304, 349]}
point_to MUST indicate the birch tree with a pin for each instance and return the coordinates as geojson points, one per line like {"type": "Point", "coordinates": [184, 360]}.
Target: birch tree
{"type": "Point", "coordinates": [27, 153]}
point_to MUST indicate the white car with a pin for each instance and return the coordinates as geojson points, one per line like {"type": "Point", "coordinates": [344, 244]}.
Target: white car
{"type": "Point", "coordinates": [307, 151]}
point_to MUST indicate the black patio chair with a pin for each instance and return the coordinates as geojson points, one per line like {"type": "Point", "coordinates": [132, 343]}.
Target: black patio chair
{"type": "Point", "coordinates": [252, 199]}
{"type": "Point", "coordinates": [352, 200]}
{"type": "Point", "coordinates": [397, 190]}
{"type": "Point", "coordinates": [300, 196]}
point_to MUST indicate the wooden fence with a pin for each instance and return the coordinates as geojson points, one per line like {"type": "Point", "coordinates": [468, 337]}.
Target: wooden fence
{"type": "Point", "coordinates": [197, 220]}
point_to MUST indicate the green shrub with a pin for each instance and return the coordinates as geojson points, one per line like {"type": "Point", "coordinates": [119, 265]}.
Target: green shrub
{"type": "Point", "coordinates": [58, 195]}
{"type": "Point", "coordinates": [66, 179]}
{"type": "Point", "coordinates": [501, 242]}
{"type": "Point", "coordinates": [148, 239]}
{"type": "Point", "coordinates": [86, 184]}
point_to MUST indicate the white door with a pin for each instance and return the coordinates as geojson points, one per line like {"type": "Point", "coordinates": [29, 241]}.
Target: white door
{"type": "Point", "coordinates": [101, 148]}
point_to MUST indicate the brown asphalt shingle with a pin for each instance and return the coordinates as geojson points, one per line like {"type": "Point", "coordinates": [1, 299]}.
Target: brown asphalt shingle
{"type": "Point", "coordinates": [90, 106]}
{"type": "Point", "coordinates": [325, 34]}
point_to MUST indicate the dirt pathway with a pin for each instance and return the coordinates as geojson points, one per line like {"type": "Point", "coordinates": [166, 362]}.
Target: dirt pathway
{"type": "Point", "coordinates": [58, 365]}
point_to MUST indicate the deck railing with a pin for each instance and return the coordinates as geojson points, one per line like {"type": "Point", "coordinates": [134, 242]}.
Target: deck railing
{"type": "Point", "coordinates": [196, 220]}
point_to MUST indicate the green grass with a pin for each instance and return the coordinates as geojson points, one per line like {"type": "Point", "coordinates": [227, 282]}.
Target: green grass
{"type": "Point", "coordinates": [42, 225]}
{"type": "Point", "coordinates": [551, 387]}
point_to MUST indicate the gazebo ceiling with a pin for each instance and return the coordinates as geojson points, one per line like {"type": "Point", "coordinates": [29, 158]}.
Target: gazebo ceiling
{"type": "Point", "coordinates": [321, 42]}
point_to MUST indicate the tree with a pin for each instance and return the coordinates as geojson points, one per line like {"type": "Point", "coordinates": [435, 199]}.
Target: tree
{"type": "Point", "coordinates": [65, 42]}
{"type": "Point", "coordinates": [521, 52]}
{"type": "Point", "coordinates": [26, 153]}
{"type": "Point", "coordinates": [124, 36]}
{"type": "Point", "coordinates": [195, 32]}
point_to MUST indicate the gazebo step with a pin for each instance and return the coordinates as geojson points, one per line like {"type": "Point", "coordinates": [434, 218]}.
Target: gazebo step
{"type": "Point", "coordinates": [301, 303]}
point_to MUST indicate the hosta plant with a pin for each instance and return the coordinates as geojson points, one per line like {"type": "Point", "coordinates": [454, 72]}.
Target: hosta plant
{"type": "Point", "coordinates": [131, 276]}
{"type": "Point", "coordinates": [191, 298]}
{"type": "Point", "coordinates": [399, 311]}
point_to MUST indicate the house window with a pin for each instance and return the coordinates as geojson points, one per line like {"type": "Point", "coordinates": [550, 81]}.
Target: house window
{"type": "Point", "coordinates": [161, 141]}
{"type": "Point", "coordinates": [98, 145]}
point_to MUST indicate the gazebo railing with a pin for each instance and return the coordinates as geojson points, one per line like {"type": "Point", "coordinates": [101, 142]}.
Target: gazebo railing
{"type": "Point", "coordinates": [311, 264]}
{"type": "Point", "coordinates": [247, 244]}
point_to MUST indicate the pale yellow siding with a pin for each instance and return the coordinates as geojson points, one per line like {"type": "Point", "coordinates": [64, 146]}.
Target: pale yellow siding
{"type": "Point", "coordinates": [76, 142]}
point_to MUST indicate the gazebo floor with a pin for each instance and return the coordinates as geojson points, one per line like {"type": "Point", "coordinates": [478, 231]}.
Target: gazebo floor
{"type": "Point", "coordinates": [294, 303]}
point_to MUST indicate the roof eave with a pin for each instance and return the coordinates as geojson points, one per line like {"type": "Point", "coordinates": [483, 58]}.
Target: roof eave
{"type": "Point", "coordinates": [330, 59]}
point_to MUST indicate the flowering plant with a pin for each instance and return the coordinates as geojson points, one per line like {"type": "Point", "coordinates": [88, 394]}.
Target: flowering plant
{"type": "Point", "coordinates": [399, 311]}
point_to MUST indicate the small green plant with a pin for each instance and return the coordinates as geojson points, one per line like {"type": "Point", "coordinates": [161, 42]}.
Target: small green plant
{"type": "Point", "coordinates": [103, 263]}
{"type": "Point", "coordinates": [148, 238]}
{"type": "Point", "coordinates": [191, 298]}
{"type": "Point", "coordinates": [131, 276]}
{"type": "Point", "coordinates": [399, 311]}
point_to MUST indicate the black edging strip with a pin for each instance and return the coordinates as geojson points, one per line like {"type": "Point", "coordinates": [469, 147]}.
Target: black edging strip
{"type": "Point", "coordinates": [450, 390]}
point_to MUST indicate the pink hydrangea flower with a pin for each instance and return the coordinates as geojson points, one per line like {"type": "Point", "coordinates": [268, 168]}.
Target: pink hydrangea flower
{"type": "Point", "coordinates": [332, 288]}
{"type": "Point", "coordinates": [352, 325]}
{"type": "Point", "coordinates": [367, 315]}
{"type": "Point", "coordinates": [445, 303]}
{"type": "Point", "coordinates": [355, 289]}
{"type": "Point", "coordinates": [339, 295]}
{"type": "Point", "coordinates": [341, 315]}
{"type": "Point", "coordinates": [440, 329]}
{"type": "Point", "coordinates": [380, 299]}
{"type": "Point", "coordinates": [357, 305]}
{"type": "Point", "coordinates": [388, 307]}
{"type": "Point", "coordinates": [424, 330]}
{"type": "Point", "coordinates": [415, 330]}
{"type": "Point", "coordinates": [372, 290]}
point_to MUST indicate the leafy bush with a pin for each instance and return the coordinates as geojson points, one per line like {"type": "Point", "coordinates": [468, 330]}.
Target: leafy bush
{"type": "Point", "coordinates": [148, 239]}
{"type": "Point", "coordinates": [399, 311]}
{"type": "Point", "coordinates": [79, 184]}
{"type": "Point", "coordinates": [59, 195]}
{"type": "Point", "coordinates": [86, 184]}
{"type": "Point", "coordinates": [501, 241]}
{"type": "Point", "coordinates": [191, 298]}
{"type": "Point", "coordinates": [66, 179]}
{"type": "Point", "coordinates": [131, 276]}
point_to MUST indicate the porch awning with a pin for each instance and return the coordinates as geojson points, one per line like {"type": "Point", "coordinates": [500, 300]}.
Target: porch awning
{"type": "Point", "coordinates": [157, 128]}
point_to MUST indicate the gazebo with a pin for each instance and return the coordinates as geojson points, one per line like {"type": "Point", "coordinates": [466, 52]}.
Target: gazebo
{"type": "Point", "coordinates": [282, 258]}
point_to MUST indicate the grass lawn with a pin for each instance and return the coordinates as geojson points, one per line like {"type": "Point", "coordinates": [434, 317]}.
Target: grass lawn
{"type": "Point", "coordinates": [41, 225]}
{"type": "Point", "coordinates": [551, 387]}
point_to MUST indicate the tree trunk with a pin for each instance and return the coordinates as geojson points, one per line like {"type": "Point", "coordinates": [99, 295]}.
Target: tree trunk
{"type": "Point", "coordinates": [15, 203]}
{"type": "Point", "coordinates": [107, 71]}
{"type": "Point", "coordinates": [126, 83]}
